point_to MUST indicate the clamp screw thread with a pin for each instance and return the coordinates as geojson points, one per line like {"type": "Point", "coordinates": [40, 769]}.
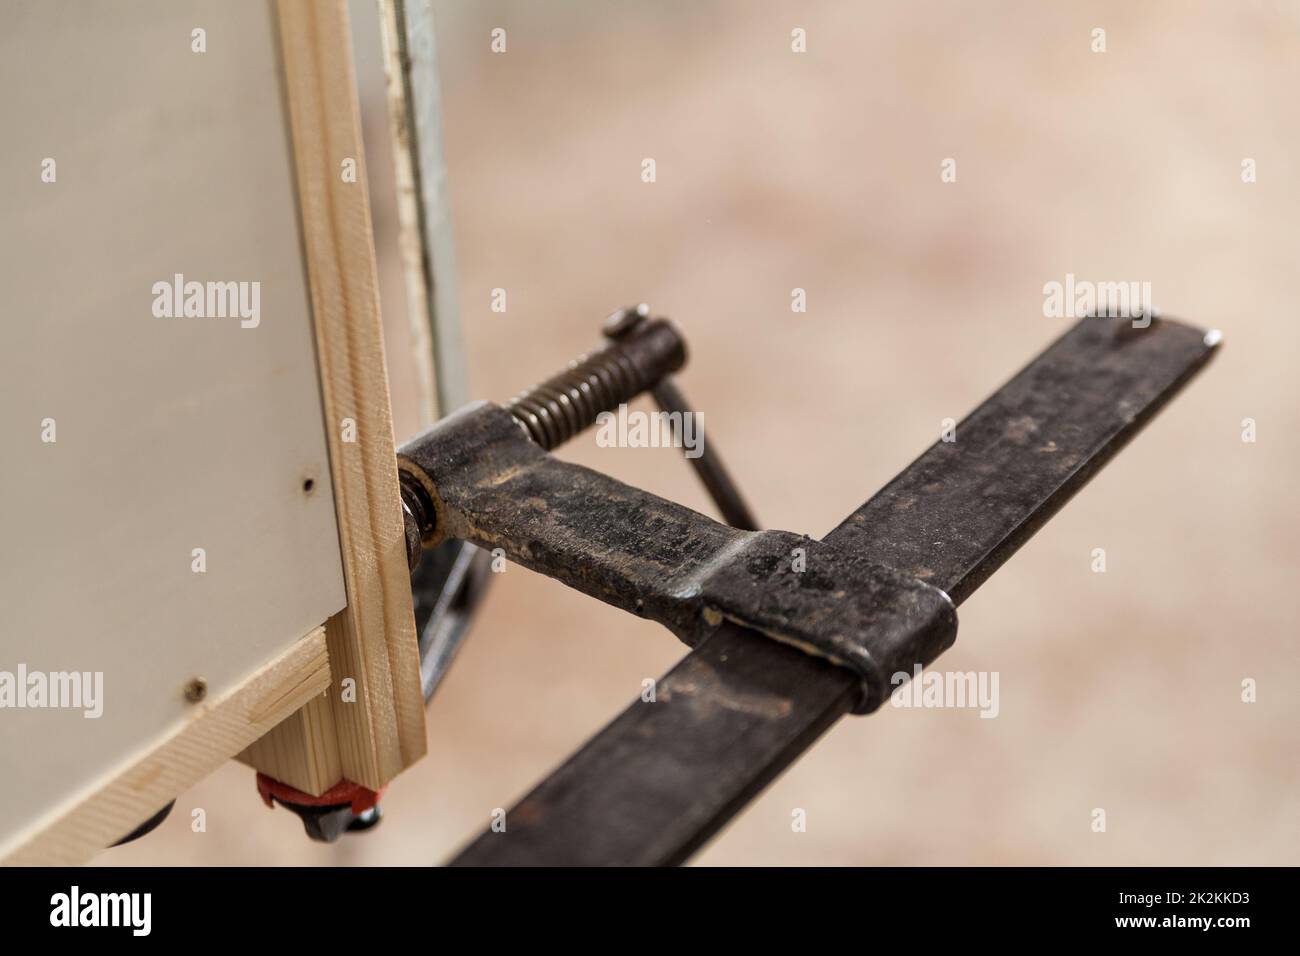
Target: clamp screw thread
{"type": "Point", "coordinates": [557, 409]}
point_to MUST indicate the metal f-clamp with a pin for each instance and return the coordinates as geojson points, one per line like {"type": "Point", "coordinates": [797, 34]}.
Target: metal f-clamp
{"type": "Point", "coordinates": [484, 475]}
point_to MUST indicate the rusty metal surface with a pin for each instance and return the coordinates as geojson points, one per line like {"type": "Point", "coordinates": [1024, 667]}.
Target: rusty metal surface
{"type": "Point", "coordinates": [663, 777]}
{"type": "Point", "coordinates": [959, 511]}
{"type": "Point", "coordinates": [490, 485]}
{"type": "Point", "coordinates": [448, 580]}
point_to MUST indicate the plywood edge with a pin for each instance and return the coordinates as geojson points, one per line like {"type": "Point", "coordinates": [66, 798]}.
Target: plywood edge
{"type": "Point", "coordinates": [74, 832]}
{"type": "Point", "coordinates": [376, 700]}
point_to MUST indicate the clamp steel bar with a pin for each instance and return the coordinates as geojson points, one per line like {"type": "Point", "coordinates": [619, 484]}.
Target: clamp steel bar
{"type": "Point", "coordinates": [663, 777]}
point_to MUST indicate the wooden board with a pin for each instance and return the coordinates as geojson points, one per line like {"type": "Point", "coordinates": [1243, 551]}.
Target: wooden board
{"type": "Point", "coordinates": [171, 434]}
{"type": "Point", "coordinates": [378, 731]}
{"type": "Point", "coordinates": [73, 832]}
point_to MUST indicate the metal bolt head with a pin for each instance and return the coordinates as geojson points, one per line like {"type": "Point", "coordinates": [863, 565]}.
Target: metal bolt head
{"type": "Point", "coordinates": [620, 323]}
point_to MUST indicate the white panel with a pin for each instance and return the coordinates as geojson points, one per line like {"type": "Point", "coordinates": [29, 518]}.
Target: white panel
{"type": "Point", "coordinates": [172, 433]}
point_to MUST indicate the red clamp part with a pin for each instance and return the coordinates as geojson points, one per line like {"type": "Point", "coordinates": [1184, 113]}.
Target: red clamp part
{"type": "Point", "coordinates": [345, 791]}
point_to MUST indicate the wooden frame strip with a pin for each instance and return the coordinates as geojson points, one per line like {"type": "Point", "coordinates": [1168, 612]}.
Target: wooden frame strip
{"type": "Point", "coordinates": [374, 727]}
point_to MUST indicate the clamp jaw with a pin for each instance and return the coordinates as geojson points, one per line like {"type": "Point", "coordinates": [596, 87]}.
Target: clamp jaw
{"type": "Point", "coordinates": [484, 475]}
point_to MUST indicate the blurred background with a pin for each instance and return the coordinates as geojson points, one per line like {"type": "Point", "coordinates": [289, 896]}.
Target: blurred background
{"type": "Point", "coordinates": [820, 170]}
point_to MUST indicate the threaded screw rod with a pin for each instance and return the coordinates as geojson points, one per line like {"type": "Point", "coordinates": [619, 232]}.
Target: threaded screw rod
{"type": "Point", "coordinates": [555, 410]}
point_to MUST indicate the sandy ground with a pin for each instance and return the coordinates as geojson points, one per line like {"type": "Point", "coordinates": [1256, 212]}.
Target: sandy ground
{"type": "Point", "coordinates": [775, 170]}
